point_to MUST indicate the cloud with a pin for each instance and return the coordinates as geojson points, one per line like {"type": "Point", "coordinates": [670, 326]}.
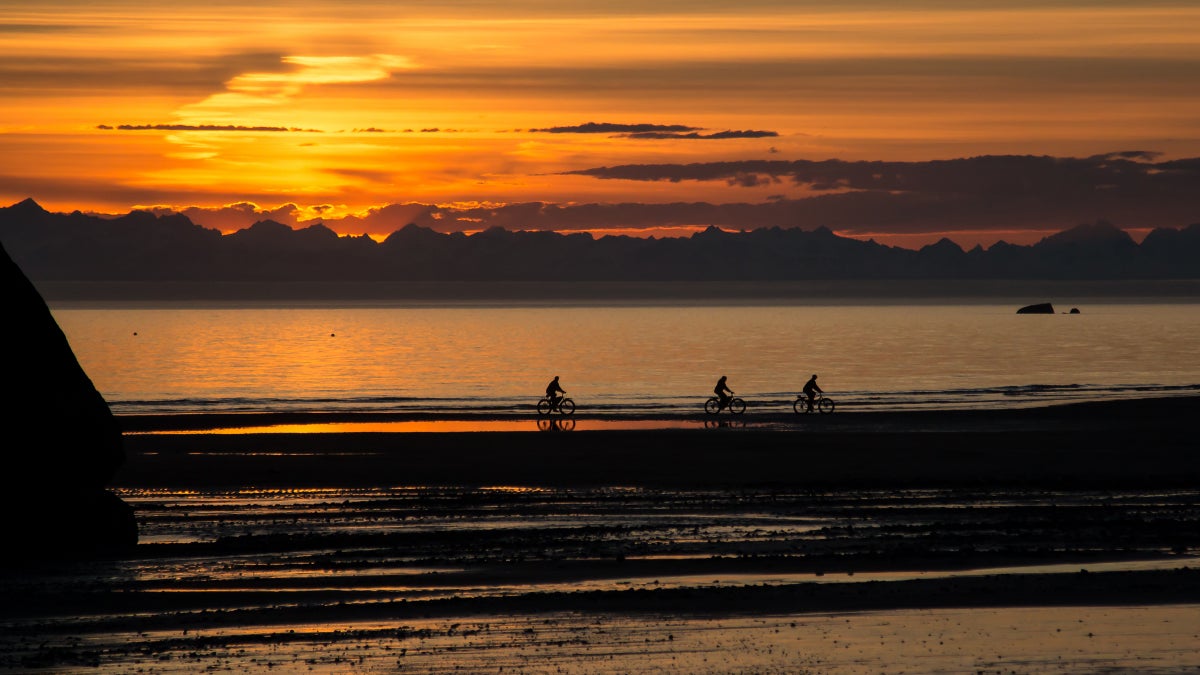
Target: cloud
{"type": "Point", "coordinates": [1134, 155]}
{"type": "Point", "coordinates": [973, 196]}
{"type": "Point", "coordinates": [967, 194]}
{"type": "Point", "coordinates": [39, 28]}
{"type": "Point", "coordinates": [656, 135]}
{"type": "Point", "coordinates": [191, 76]}
{"type": "Point", "coordinates": [372, 175]}
{"type": "Point", "coordinates": [653, 131]}
{"type": "Point", "coordinates": [611, 128]}
{"type": "Point", "coordinates": [270, 89]}
{"type": "Point", "coordinates": [200, 127]}
{"type": "Point", "coordinates": [236, 216]}
{"type": "Point", "coordinates": [381, 220]}
{"type": "Point", "coordinates": [995, 175]}
{"type": "Point", "coordinates": [68, 191]}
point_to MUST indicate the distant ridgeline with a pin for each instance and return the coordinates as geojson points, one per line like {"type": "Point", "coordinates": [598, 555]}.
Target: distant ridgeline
{"type": "Point", "coordinates": [142, 247]}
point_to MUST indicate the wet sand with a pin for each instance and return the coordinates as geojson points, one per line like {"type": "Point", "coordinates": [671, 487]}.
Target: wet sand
{"type": "Point", "coordinates": [1061, 538]}
{"type": "Point", "coordinates": [1146, 442]}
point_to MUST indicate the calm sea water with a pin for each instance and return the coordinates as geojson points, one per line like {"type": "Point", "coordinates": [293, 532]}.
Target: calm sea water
{"type": "Point", "coordinates": [627, 357]}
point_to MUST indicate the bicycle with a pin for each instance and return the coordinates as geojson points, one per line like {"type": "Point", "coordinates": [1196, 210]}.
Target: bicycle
{"type": "Point", "coordinates": [820, 404]}
{"type": "Point", "coordinates": [713, 405]}
{"type": "Point", "coordinates": [564, 406]}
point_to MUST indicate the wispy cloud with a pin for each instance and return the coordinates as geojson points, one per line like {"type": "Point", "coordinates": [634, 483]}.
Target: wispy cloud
{"type": "Point", "coordinates": [271, 90]}
{"type": "Point", "coordinates": [653, 131]}
{"type": "Point", "coordinates": [613, 128]}
{"type": "Point", "coordinates": [194, 75]}
{"type": "Point", "coordinates": [199, 127]}
{"type": "Point", "coordinates": [719, 135]}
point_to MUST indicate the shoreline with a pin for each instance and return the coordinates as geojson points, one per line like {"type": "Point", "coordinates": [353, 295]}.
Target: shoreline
{"type": "Point", "coordinates": [1113, 413]}
{"type": "Point", "coordinates": [1131, 443]}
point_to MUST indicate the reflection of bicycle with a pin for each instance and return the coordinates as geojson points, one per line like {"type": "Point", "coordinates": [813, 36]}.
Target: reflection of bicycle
{"type": "Point", "coordinates": [556, 424]}
{"type": "Point", "coordinates": [735, 405]}
{"type": "Point", "coordinates": [820, 403]}
{"type": "Point", "coordinates": [564, 406]}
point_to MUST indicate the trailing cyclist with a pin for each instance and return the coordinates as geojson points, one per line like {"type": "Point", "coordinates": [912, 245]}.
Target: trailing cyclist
{"type": "Point", "coordinates": [723, 393]}
{"type": "Point", "coordinates": [552, 392]}
{"type": "Point", "coordinates": [811, 390]}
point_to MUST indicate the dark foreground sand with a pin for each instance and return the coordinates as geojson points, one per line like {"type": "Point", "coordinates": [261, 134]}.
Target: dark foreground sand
{"type": "Point", "coordinates": [1056, 539]}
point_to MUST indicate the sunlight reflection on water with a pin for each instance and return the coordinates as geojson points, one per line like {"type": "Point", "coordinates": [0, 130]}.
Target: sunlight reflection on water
{"type": "Point", "coordinates": [627, 359]}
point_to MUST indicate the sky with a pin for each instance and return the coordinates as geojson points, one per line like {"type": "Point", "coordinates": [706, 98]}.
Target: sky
{"type": "Point", "coordinates": [905, 122]}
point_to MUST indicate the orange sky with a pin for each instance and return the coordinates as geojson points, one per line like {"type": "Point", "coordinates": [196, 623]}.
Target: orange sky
{"type": "Point", "coordinates": [340, 107]}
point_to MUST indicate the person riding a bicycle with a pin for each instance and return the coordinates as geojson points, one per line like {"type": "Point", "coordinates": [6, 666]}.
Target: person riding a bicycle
{"type": "Point", "coordinates": [552, 392]}
{"type": "Point", "coordinates": [723, 392]}
{"type": "Point", "coordinates": [811, 390]}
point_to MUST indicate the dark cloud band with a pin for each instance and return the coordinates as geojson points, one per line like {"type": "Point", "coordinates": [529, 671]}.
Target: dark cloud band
{"type": "Point", "coordinates": [611, 128]}
{"type": "Point", "coordinates": [720, 135]}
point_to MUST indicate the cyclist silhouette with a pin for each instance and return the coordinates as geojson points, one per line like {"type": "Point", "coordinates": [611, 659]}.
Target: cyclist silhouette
{"type": "Point", "coordinates": [552, 392]}
{"type": "Point", "coordinates": [723, 392]}
{"type": "Point", "coordinates": [811, 389]}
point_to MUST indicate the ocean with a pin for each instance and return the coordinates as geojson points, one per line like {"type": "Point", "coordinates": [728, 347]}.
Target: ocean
{"type": "Point", "coordinates": [628, 357]}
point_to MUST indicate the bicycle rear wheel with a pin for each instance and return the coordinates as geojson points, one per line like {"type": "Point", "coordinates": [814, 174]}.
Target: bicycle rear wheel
{"type": "Point", "coordinates": [543, 407]}
{"type": "Point", "coordinates": [737, 406]}
{"type": "Point", "coordinates": [800, 406]}
{"type": "Point", "coordinates": [566, 406]}
{"type": "Point", "coordinates": [712, 406]}
{"type": "Point", "coordinates": [825, 405]}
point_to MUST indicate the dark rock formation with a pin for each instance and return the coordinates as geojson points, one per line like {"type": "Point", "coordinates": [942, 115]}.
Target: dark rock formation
{"type": "Point", "coordinates": [1041, 308]}
{"type": "Point", "coordinates": [62, 445]}
{"type": "Point", "coordinates": [1074, 310]}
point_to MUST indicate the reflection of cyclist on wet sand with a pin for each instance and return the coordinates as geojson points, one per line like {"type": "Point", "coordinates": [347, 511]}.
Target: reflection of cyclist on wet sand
{"type": "Point", "coordinates": [811, 390]}
{"type": "Point", "coordinates": [723, 392]}
{"type": "Point", "coordinates": [552, 392]}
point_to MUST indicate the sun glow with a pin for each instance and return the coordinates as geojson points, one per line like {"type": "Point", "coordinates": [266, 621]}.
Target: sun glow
{"type": "Point", "coordinates": [362, 105]}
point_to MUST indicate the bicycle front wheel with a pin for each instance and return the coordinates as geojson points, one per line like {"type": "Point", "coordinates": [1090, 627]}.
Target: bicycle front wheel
{"type": "Point", "coordinates": [543, 407]}
{"type": "Point", "coordinates": [566, 406]}
{"type": "Point", "coordinates": [737, 406]}
{"type": "Point", "coordinates": [712, 406]}
{"type": "Point", "coordinates": [825, 406]}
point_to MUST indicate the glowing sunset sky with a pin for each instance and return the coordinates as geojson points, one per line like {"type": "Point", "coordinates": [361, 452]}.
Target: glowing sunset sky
{"type": "Point", "coordinates": [329, 109]}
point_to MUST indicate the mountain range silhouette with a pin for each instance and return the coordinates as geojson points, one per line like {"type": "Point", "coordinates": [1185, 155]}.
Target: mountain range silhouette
{"type": "Point", "coordinates": [144, 247]}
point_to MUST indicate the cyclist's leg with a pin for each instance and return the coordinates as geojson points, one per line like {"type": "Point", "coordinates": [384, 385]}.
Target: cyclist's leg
{"type": "Point", "coordinates": [811, 398]}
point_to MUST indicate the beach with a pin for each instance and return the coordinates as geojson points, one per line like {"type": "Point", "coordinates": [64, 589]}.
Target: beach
{"type": "Point", "coordinates": [1025, 540]}
{"type": "Point", "coordinates": [1122, 442]}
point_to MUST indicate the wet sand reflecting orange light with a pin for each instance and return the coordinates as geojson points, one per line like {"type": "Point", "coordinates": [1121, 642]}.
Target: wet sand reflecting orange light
{"type": "Point", "coordinates": [442, 426]}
